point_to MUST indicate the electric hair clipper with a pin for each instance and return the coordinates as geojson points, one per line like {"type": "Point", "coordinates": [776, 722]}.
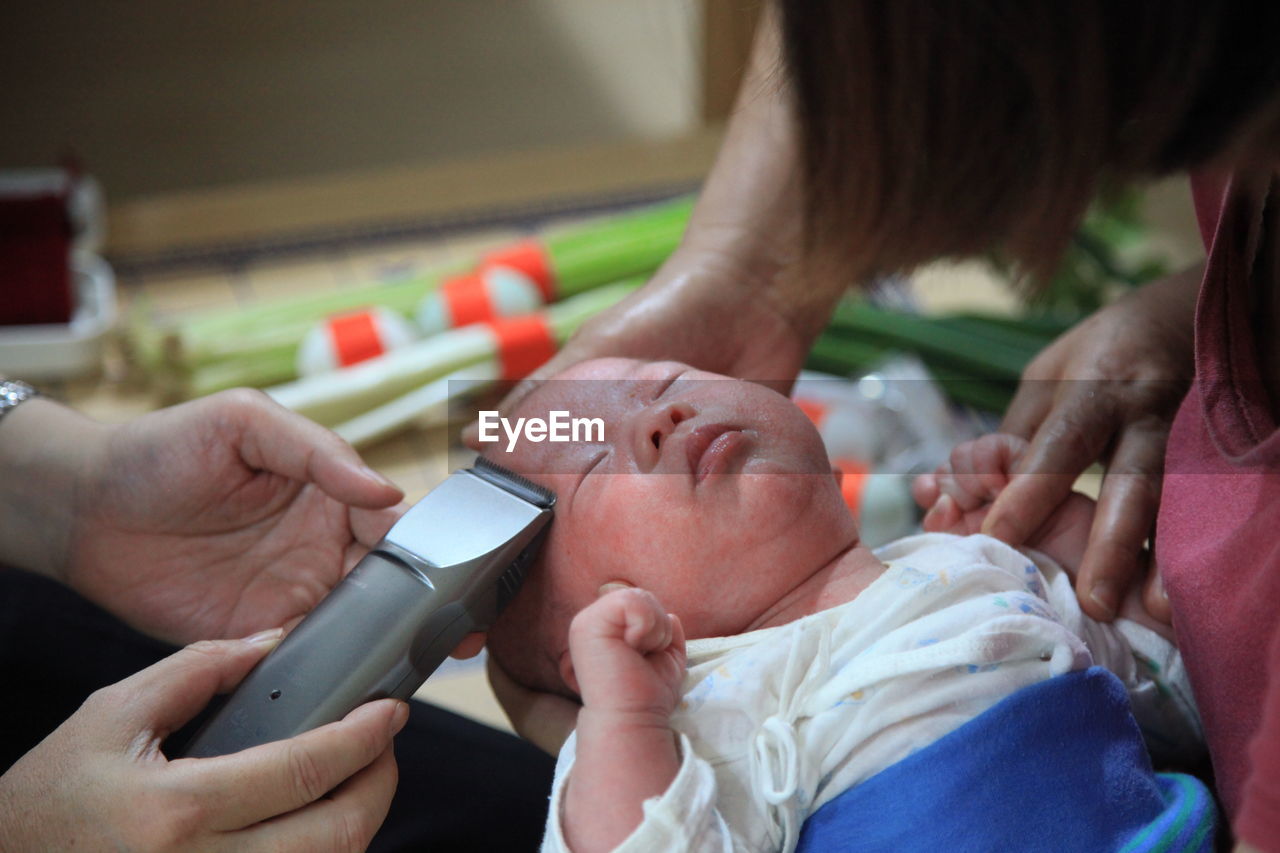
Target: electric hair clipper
{"type": "Point", "coordinates": [445, 569]}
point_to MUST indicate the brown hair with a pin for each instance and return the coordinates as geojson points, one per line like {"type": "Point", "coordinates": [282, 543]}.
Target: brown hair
{"type": "Point", "coordinates": [936, 128]}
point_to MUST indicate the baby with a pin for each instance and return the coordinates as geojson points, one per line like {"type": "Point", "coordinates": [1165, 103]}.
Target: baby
{"type": "Point", "coordinates": [749, 660]}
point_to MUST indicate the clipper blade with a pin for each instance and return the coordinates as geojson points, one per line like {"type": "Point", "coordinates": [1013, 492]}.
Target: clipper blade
{"type": "Point", "coordinates": [521, 487]}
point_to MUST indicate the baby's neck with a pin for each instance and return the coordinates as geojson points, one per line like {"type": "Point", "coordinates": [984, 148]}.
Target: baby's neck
{"type": "Point", "coordinates": [838, 582]}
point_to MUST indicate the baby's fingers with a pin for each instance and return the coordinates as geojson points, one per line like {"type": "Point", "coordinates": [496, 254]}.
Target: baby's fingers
{"type": "Point", "coordinates": [979, 469]}
{"type": "Point", "coordinates": [647, 625]}
{"type": "Point", "coordinates": [925, 489]}
{"type": "Point", "coordinates": [675, 649]}
{"type": "Point", "coordinates": [943, 517]}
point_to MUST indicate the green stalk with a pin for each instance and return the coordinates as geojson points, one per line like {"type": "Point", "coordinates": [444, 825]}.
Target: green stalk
{"type": "Point", "coordinates": [1046, 326]}
{"type": "Point", "coordinates": [977, 359]}
{"type": "Point", "coordinates": [206, 338]}
{"type": "Point", "coordinates": [341, 395]}
{"type": "Point", "coordinates": [616, 248]}
{"type": "Point", "coordinates": [920, 334]}
{"type": "Point", "coordinates": [206, 329]}
{"type": "Point", "coordinates": [268, 367]}
{"type": "Point", "coordinates": [216, 346]}
{"type": "Point", "coordinates": [843, 356]}
{"type": "Point", "coordinates": [429, 403]}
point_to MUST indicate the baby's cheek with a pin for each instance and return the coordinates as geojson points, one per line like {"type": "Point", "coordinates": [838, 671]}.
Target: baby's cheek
{"type": "Point", "coordinates": [774, 502]}
{"type": "Point", "coordinates": [632, 509]}
{"type": "Point", "coordinates": [522, 642]}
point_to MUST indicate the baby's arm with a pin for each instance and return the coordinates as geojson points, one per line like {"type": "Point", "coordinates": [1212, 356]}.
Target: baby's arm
{"type": "Point", "coordinates": [1136, 647]}
{"type": "Point", "coordinates": [959, 494]}
{"type": "Point", "coordinates": [628, 664]}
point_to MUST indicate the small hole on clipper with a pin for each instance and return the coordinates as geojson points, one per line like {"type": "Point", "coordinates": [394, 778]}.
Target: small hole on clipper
{"type": "Point", "coordinates": [275, 694]}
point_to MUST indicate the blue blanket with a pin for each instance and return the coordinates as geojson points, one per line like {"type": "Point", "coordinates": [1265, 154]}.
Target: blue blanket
{"type": "Point", "coordinates": [1059, 766]}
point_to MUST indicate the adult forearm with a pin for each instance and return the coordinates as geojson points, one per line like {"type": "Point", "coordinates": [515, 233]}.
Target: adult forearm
{"type": "Point", "coordinates": [750, 212]}
{"type": "Point", "coordinates": [45, 450]}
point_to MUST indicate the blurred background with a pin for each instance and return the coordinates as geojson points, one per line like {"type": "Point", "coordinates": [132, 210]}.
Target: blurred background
{"type": "Point", "coordinates": [156, 96]}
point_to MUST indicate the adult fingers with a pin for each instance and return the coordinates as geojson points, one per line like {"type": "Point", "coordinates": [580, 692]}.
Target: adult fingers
{"type": "Point", "coordinates": [167, 694]}
{"type": "Point", "coordinates": [344, 821]}
{"type": "Point", "coordinates": [543, 719]}
{"type": "Point", "coordinates": [1074, 436]}
{"type": "Point", "coordinates": [1031, 404]}
{"type": "Point", "coordinates": [1037, 389]}
{"type": "Point", "coordinates": [1124, 518]}
{"type": "Point", "coordinates": [1154, 598]}
{"type": "Point", "coordinates": [369, 525]}
{"type": "Point", "coordinates": [277, 778]}
{"type": "Point", "coordinates": [272, 438]}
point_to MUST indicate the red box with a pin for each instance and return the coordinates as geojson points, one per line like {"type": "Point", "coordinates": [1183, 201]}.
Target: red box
{"type": "Point", "coordinates": [35, 258]}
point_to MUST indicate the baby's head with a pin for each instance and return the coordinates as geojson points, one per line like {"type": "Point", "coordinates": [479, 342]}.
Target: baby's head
{"type": "Point", "coordinates": [714, 494]}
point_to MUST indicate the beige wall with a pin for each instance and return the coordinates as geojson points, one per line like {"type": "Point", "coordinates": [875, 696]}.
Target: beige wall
{"type": "Point", "coordinates": [170, 94]}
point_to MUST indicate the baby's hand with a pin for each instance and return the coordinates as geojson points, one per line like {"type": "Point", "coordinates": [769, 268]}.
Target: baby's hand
{"type": "Point", "coordinates": [959, 494]}
{"type": "Point", "coordinates": [626, 660]}
{"type": "Point", "coordinates": [627, 657]}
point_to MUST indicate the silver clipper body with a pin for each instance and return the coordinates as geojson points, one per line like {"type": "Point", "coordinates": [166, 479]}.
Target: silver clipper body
{"type": "Point", "coordinates": [445, 569]}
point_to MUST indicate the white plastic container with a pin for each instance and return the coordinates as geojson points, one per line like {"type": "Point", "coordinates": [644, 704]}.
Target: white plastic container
{"type": "Point", "coordinates": [64, 350]}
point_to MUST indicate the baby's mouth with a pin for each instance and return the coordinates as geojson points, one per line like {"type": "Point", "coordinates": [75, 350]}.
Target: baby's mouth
{"type": "Point", "coordinates": [710, 448]}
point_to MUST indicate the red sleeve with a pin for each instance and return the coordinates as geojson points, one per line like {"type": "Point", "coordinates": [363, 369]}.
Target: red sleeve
{"type": "Point", "coordinates": [1258, 821]}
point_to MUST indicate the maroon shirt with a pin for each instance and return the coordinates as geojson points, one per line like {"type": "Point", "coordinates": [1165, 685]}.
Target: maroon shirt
{"type": "Point", "coordinates": [1218, 535]}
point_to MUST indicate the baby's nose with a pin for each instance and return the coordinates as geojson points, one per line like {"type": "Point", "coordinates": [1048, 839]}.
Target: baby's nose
{"type": "Point", "coordinates": [667, 421]}
{"type": "Point", "coordinates": [664, 422]}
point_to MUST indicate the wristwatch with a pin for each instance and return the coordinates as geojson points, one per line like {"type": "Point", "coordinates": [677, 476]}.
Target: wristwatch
{"type": "Point", "coordinates": [13, 393]}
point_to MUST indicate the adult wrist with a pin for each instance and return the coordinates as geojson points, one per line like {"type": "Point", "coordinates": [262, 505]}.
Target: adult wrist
{"type": "Point", "coordinates": [46, 453]}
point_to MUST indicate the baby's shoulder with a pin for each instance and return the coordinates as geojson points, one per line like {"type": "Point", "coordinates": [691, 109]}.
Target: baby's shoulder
{"type": "Point", "coordinates": [946, 550]}
{"type": "Point", "coordinates": [940, 570]}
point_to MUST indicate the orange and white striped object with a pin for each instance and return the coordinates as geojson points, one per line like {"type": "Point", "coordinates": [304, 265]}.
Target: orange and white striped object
{"type": "Point", "coordinates": [350, 338]}
{"type": "Point", "coordinates": [478, 297]}
{"type": "Point", "coordinates": [529, 257]}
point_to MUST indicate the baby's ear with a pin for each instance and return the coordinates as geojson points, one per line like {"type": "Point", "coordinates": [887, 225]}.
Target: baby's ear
{"type": "Point", "coordinates": [470, 646]}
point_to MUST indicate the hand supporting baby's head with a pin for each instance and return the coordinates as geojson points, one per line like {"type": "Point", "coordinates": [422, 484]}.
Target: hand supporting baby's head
{"type": "Point", "coordinates": [713, 493]}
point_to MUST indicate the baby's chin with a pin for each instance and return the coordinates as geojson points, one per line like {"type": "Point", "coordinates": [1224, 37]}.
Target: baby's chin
{"type": "Point", "coordinates": [523, 664]}
{"type": "Point", "coordinates": [539, 682]}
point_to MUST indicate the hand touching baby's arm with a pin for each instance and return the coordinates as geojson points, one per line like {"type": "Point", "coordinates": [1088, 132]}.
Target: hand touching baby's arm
{"type": "Point", "coordinates": [1137, 647]}
{"type": "Point", "coordinates": [960, 493]}
{"type": "Point", "coordinates": [628, 665]}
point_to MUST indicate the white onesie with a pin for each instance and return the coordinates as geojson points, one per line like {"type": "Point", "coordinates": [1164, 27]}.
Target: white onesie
{"type": "Point", "coordinates": [776, 722]}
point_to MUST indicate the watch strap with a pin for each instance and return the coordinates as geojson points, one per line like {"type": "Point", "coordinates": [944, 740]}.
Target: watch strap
{"type": "Point", "coordinates": [14, 393]}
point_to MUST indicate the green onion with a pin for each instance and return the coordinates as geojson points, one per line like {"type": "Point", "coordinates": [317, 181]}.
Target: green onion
{"type": "Point", "coordinates": [977, 359]}
{"type": "Point", "coordinates": [257, 345]}
{"type": "Point", "coordinates": [342, 395]}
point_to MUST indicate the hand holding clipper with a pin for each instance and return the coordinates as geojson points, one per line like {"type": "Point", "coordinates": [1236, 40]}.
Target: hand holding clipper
{"type": "Point", "coordinates": [444, 570]}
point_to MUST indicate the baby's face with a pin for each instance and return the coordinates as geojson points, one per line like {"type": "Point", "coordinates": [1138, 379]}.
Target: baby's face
{"type": "Point", "coordinates": [715, 494]}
